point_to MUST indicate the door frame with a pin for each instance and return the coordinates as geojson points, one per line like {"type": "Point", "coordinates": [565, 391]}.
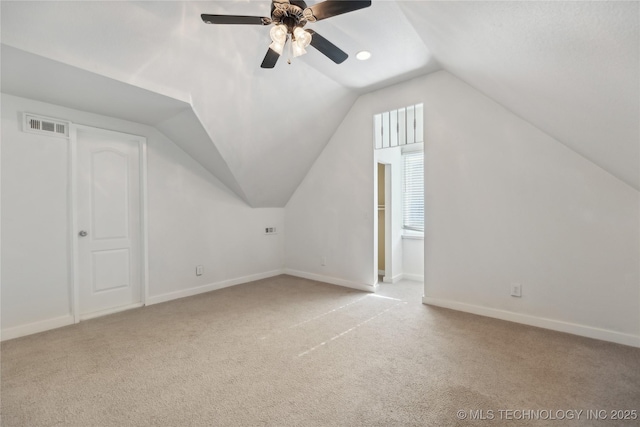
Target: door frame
{"type": "Point", "coordinates": [73, 217]}
{"type": "Point", "coordinates": [389, 215]}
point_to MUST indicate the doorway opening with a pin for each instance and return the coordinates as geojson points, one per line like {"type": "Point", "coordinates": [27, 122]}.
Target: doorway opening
{"type": "Point", "coordinates": [388, 217]}
{"type": "Point", "coordinates": [384, 222]}
{"type": "Point", "coordinates": [399, 194]}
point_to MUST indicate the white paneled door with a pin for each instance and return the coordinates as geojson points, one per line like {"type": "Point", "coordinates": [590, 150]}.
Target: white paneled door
{"type": "Point", "coordinates": [109, 222]}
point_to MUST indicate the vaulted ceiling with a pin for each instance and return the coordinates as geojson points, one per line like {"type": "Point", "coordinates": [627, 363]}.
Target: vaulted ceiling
{"type": "Point", "coordinates": [569, 68]}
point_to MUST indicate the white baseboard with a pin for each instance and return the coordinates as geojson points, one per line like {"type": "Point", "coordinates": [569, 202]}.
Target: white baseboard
{"type": "Point", "coordinates": [331, 280]}
{"type": "Point", "coordinates": [45, 325]}
{"type": "Point", "coordinates": [35, 327]}
{"type": "Point", "coordinates": [394, 279]}
{"type": "Point", "coordinates": [211, 287]}
{"type": "Point", "coordinates": [110, 311]}
{"type": "Point", "coordinates": [556, 325]}
{"type": "Point", "coordinates": [414, 277]}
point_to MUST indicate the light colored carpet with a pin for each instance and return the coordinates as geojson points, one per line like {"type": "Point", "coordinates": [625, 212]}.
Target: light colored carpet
{"type": "Point", "coordinates": [286, 351]}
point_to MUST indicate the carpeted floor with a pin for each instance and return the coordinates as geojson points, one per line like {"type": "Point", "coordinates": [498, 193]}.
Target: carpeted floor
{"type": "Point", "coordinates": [292, 352]}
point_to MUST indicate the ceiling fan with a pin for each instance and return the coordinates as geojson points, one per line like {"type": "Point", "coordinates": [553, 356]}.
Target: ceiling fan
{"type": "Point", "coordinates": [289, 17]}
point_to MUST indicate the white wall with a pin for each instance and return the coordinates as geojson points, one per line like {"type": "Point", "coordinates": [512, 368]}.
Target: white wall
{"type": "Point", "coordinates": [331, 213]}
{"type": "Point", "coordinates": [504, 203]}
{"type": "Point", "coordinates": [34, 223]}
{"type": "Point", "coordinates": [193, 219]}
{"type": "Point", "coordinates": [413, 258]}
{"type": "Point", "coordinates": [508, 203]}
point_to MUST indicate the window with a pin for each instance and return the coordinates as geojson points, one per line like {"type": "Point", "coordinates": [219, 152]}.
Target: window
{"type": "Point", "coordinates": [413, 191]}
{"type": "Point", "coordinates": [398, 127]}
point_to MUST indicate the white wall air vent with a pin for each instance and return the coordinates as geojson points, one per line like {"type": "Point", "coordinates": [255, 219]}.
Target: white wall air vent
{"type": "Point", "coordinates": [46, 126]}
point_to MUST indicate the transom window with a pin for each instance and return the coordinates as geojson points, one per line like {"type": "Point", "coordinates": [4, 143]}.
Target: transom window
{"type": "Point", "coordinates": [399, 127]}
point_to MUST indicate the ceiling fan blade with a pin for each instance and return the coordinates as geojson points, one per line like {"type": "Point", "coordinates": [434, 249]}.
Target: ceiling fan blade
{"type": "Point", "coordinates": [327, 48]}
{"type": "Point", "coordinates": [330, 8]}
{"type": "Point", "coordinates": [270, 59]}
{"type": "Point", "coordinates": [235, 19]}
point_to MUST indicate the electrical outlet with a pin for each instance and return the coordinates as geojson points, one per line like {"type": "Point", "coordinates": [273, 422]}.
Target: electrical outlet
{"type": "Point", "coordinates": [199, 270]}
{"type": "Point", "coordinates": [516, 290]}
{"type": "Point", "coordinates": [270, 230]}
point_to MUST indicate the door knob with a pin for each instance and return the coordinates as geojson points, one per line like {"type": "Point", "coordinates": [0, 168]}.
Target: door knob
{"type": "Point", "coordinates": [82, 233]}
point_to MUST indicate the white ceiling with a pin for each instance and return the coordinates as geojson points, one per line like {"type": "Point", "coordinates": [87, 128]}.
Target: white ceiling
{"type": "Point", "coordinates": [35, 77]}
{"type": "Point", "coordinates": [570, 68]}
{"type": "Point", "coordinates": [32, 76]}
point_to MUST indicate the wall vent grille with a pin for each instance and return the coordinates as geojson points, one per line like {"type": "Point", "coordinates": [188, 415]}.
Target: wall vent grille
{"type": "Point", "coordinates": [46, 126]}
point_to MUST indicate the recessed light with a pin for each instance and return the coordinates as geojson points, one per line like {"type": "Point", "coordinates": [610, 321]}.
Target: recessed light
{"type": "Point", "coordinates": [363, 55]}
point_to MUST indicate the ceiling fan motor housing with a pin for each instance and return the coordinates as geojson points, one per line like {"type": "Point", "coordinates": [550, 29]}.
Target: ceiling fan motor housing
{"type": "Point", "coordinates": [289, 14]}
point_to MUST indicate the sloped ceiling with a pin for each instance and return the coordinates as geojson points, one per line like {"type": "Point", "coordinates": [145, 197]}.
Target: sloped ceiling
{"type": "Point", "coordinates": [35, 77]}
{"type": "Point", "coordinates": [570, 68]}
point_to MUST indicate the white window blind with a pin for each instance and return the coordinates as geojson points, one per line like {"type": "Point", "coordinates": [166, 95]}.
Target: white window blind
{"type": "Point", "coordinates": [413, 191]}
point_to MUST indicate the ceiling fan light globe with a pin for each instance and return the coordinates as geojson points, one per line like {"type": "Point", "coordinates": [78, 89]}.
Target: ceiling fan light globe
{"type": "Point", "coordinates": [279, 34]}
{"type": "Point", "coordinates": [277, 47]}
{"type": "Point", "coordinates": [302, 37]}
{"type": "Point", "coordinates": [297, 49]}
